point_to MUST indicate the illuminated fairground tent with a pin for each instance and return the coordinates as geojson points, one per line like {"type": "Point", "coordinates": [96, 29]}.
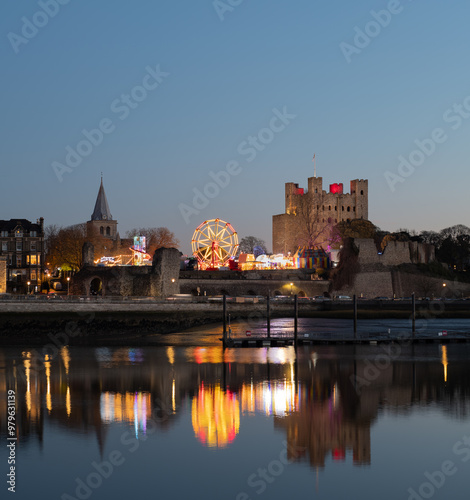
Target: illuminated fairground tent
{"type": "Point", "coordinates": [311, 258]}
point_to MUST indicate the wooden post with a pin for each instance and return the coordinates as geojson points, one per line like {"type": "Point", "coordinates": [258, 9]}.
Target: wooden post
{"type": "Point", "coordinates": [296, 318]}
{"type": "Point", "coordinates": [413, 315]}
{"type": "Point", "coordinates": [268, 316]}
{"type": "Point", "coordinates": [355, 315]}
{"type": "Point", "coordinates": [224, 335]}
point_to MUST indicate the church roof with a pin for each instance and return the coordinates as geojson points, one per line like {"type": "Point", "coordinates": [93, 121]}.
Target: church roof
{"type": "Point", "coordinates": [101, 211]}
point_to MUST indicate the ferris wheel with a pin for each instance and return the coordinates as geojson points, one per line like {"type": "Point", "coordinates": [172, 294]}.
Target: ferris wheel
{"type": "Point", "coordinates": [213, 243]}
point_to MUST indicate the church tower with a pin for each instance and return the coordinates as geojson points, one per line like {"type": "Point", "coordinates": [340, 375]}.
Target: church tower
{"type": "Point", "coordinates": [102, 223]}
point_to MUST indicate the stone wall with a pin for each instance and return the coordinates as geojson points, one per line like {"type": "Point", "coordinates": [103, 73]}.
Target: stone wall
{"type": "Point", "coordinates": [395, 253]}
{"type": "Point", "coordinates": [159, 280]}
{"type": "Point", "coordinates": [253, 287]}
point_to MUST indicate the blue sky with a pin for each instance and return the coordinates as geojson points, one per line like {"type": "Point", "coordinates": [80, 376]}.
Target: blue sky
{"type": "Point", "coordinates": [226, 70]}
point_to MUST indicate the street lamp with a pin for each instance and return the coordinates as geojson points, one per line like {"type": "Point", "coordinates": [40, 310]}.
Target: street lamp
{"type": "Point", "coordinates": [68, 285]}
{"type": "Point", "coordinates": [291, 285]}
{"type": "Point", "coordinates": [29, 283]}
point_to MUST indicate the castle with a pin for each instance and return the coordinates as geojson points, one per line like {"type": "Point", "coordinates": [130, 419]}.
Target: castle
{"type": "Point", "coordinates": [311, 215]}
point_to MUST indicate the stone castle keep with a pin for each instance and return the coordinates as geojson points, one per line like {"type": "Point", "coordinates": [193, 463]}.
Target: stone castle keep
{"type": "Point", "coordinates": [310, 215]}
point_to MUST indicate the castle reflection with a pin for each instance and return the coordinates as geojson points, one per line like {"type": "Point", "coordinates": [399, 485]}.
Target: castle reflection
{"type": "Point", "coordinates": [312, 396]}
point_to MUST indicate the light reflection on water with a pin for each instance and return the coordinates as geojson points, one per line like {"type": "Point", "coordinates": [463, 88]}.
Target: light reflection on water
{"type": "Point", "coordinates": [327, 405]}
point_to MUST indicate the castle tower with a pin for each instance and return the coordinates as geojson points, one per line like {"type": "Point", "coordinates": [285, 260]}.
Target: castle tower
{"type": "Point", "coordinates": [311, 214]}
{"type": "Point", "coordinates": [101, 223]}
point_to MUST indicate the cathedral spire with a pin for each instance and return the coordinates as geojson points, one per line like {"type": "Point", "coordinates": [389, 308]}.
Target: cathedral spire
{"type": "Point", "coordinates": [101, 211]}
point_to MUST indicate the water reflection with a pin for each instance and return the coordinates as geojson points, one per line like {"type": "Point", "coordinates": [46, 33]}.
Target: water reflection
{"type": "Point", "coordinates": [312, 397]}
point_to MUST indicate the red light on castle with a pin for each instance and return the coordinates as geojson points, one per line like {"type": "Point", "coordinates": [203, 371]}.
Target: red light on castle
{"type": "Point", "coordinates": [338, 454]}
{"type": "Point", "coordinates": [336, 188]}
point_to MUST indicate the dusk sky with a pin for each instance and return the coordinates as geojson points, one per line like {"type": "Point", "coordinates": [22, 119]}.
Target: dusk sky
{"type": "Point", "coordinates": [178, 89]}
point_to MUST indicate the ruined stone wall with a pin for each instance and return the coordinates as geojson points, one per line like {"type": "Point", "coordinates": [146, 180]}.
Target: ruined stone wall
{"type": "Point", "coordinates": [159, 280]}
{"type": "Point", "coordinates": [395, 253]}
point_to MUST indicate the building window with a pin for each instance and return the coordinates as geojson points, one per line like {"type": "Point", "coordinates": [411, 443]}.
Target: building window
{"type": "Point", "coordinates": [316, 190]}
{"type": "Point", "coordinates": [362, 192]}
{"type": "Point", "coordinates": [19, 246]}
{"type": "Point", "coordinates": [323, 208]}
{"type": "Point", "coordinates": [318, 207]}
{"type": "Point", "coordinates": [342, 208]}
{"type": "Point", "coordinates": [33, 276]}
{"type": "Point", "coordinates": [329, 220]}
{"type": "Point", "coordinates": [18, 261]}
{"type": "Point", "coordinates": [108, 231]}
{"type": "Point", "coordinates": [336, 208]}
{"type": "Point", "coordinates": [33, 234]}
{"type": "Point", "coordinates": [19, 233]}
{"type": "Point", "coordinates": [354, 209]}
{"type": "Point", "coordinates": [4, 234]}
{"type": "Point", "coordinates": [101, 230]}
{"type": "Point", "coordinates": [4, 246]}
{"type": "Point", "coordinates": [33, 260]}
{"type": "Point", "coordinates": [349, 209]}
{"type": "Point", "coordinates": [32, 246]}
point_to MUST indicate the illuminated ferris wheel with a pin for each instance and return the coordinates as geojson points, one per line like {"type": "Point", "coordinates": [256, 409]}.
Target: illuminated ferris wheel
{"type": "Point", "coordinates": [213, 243]}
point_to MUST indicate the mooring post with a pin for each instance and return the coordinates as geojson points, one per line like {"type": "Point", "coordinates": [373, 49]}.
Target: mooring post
{"type": "Point", "coordinates": [355, 315]}
{"type": "Point", "coordinates": [268, 316]}
{"type": "Point", "coordinates": [224, 335]}
{"type": "Point", "coordinates": [296, 318]}
{"type": "Point", "coordinates": [413, 315]}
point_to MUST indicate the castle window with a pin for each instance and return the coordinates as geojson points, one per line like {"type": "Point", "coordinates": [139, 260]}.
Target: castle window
{"type": "Point", "coordinates": [101, 230]}
{"type": "Point", "coordinates": [323, 208]}
{"type": "Point", "coordinates": [329, 207]}
{"type": "Point", "coordinates": [354, 209]}
{"type": "Point", "coordinates": [318, 207]}
{"type": "Point", "coordinates": [108, 231]}
{"type": "Point", "coordinates": [362, 192]}
{"type": "Point", "coordinates": [342, 208]}
{"type": "Point", "coordinates": [336, 208]}
{"type": "Point", "coordinates": [316, 190]}
{"type": "Point", "coordinates": [349, 209]}
{"type": "Point", "coordinates": [329, 220]}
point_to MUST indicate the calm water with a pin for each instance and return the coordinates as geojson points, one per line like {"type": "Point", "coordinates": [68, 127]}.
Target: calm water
{"type": "Point", "coordinates": [177, 422]}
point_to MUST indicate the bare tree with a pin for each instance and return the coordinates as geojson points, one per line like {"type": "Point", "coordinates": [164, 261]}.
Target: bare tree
{"type": "Point", "coordinates": [156, 237]}
{"type": "Point", "coordinates": [248, 244]}
{"type": "Point", "coordinates": [64, 246]}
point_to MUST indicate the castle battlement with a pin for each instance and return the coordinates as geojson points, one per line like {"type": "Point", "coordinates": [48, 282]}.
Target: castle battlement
{"type": "Point", "coordinates": [310, 214]}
